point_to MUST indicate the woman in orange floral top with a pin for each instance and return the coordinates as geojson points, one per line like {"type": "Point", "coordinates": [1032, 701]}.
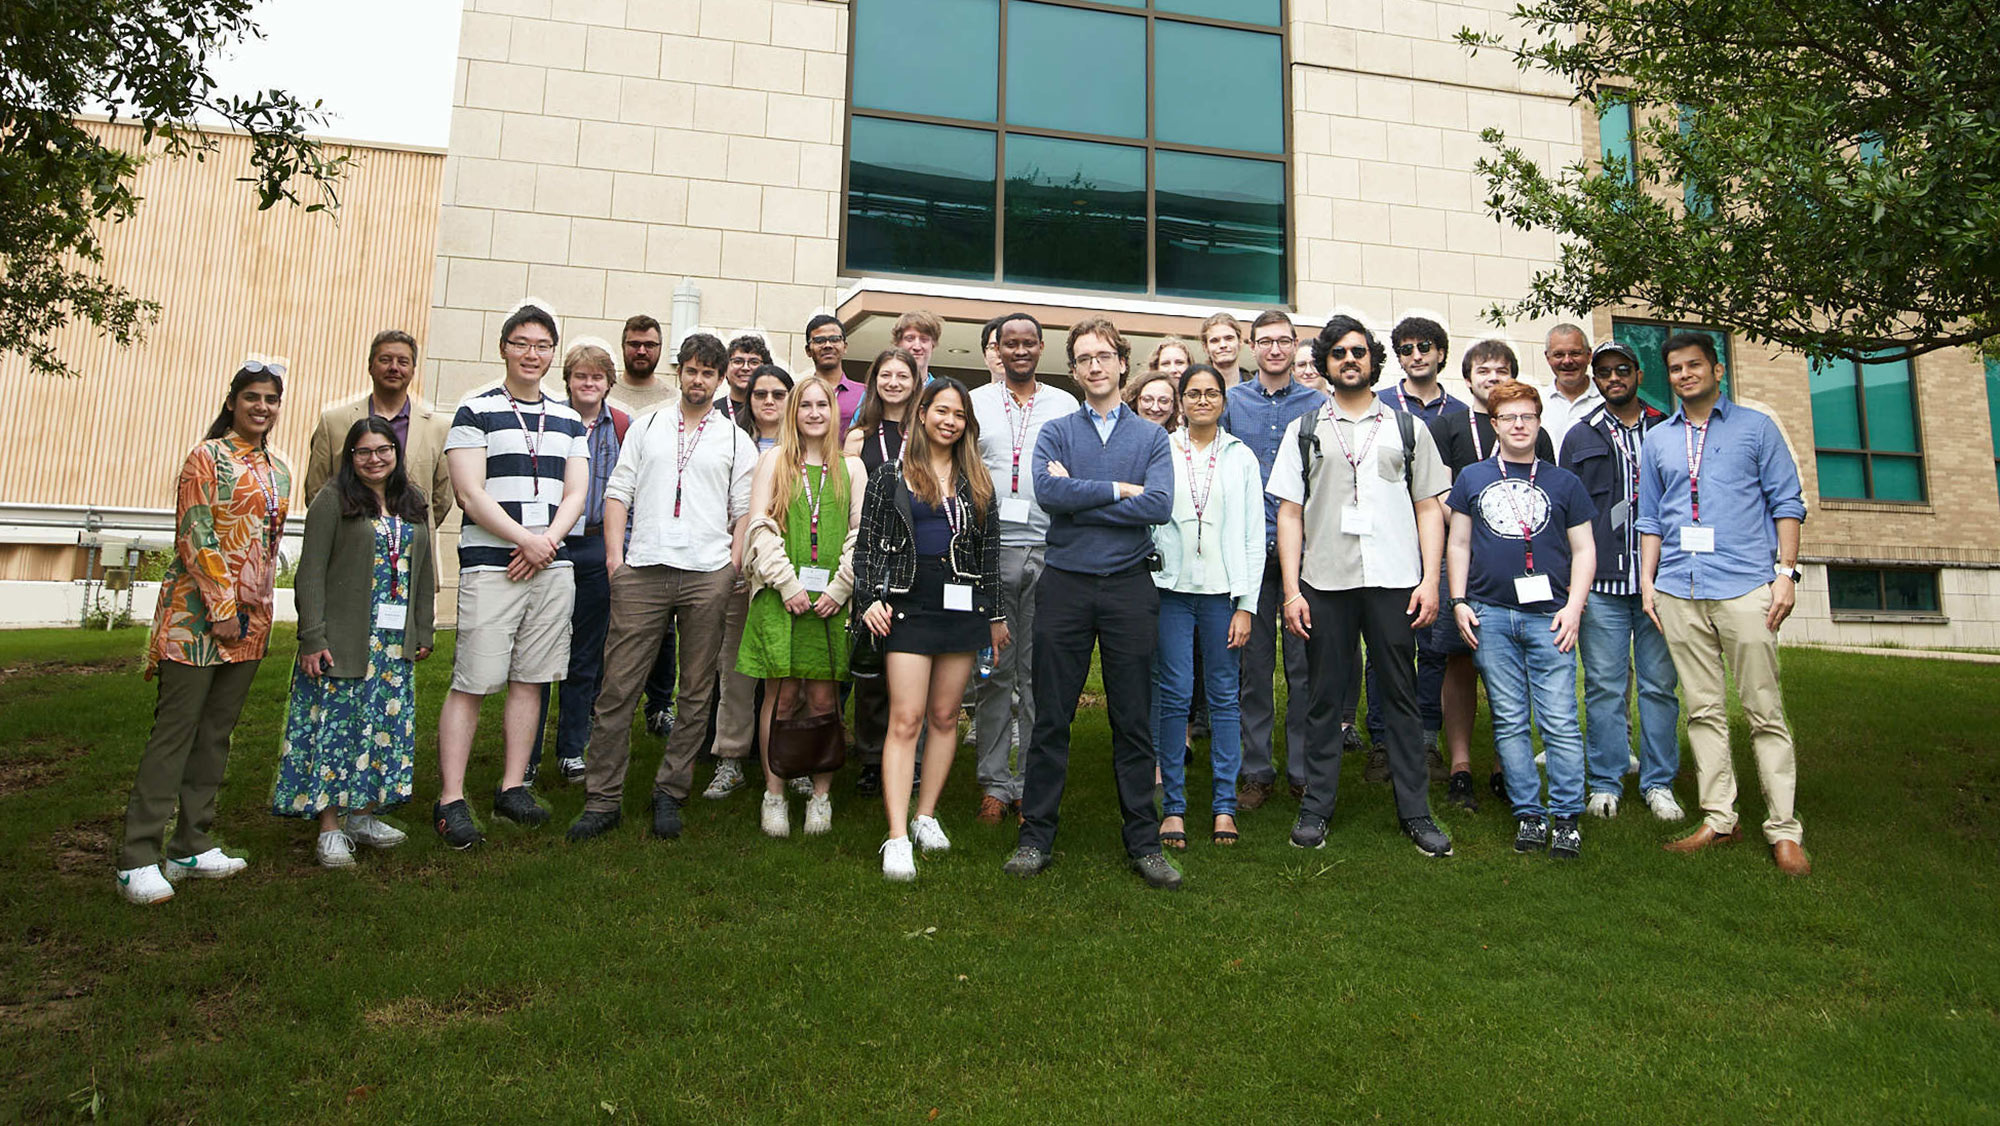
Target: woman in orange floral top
{"type": "Point", "coordinates": [209, 635]}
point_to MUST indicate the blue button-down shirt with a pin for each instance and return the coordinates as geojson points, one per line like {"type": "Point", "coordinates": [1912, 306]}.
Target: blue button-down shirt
{"type": "Point", "coordinates": [1104, 422]}
{"type": "Point", "coordinates": [1258, 418]}
{"type": "Point", "coordinates": [1748, 481]}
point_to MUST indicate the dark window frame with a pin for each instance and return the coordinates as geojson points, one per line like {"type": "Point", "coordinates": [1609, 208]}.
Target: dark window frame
{"type": "Point", "coordinates": [1000, 128]}
{"type": "Point", "coordinates": [1881, 607]}
{"type": "Point", "coordinates": [1867, 454]}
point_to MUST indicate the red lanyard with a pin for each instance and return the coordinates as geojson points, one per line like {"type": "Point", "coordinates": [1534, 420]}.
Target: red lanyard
{"type": "Point", "coordinates": [534, 445]}
{"type": "Point", "coordinates": [267, 482]}
{"type": "Point", "coordinates": [882, 436]}
{"type": "Point", "coordinates": [813, 497]}
{"type": "Point", "coordinates": [684, 452]}
{"type": "Point", "coordinates": [1521, 514]}
{"type": "Point", "coordinates": [1199, 489]}
{"type": "Point", "coordinates": [395, 557]}
{"type": "Point", "coordinates": [1628, 444]}
{"type": "Point", "coordinates": [1478, 454]}
{"type": "Point", "coordinates": [1019, 430]}
{"type": "Point", "coordinates": [1695, 451]}
{"type": "Point", "coordinates": [1354, 456]}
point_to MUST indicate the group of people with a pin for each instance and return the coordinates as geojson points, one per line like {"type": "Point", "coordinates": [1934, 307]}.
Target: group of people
{"type": "Point", "coordinates": [756, 532]}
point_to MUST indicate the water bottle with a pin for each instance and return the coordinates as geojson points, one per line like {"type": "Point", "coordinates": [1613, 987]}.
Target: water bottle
{"type": "Point", "coordinates": [986, 662]}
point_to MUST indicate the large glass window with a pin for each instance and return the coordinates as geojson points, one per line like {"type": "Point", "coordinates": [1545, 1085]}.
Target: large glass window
{"type": "Point", "coordinates": [1063, 143]}
{"type": "Point", "coordinates": [1865, 438]}
{"type": "Point", "coordinates": [1614, 138]}
{"type": "Point", "coordinates": [1883, 590]}
{"type": "Point", "coordinates": [1645, 338]}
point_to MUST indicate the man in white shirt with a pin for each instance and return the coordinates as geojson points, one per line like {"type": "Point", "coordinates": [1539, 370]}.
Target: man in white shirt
{"type": "Point", "coordinates": [1572, 394]}
{"type": "Point", "coordinates": [683, 480]}
{"type": "Point", "coordinates": [1010, 412]}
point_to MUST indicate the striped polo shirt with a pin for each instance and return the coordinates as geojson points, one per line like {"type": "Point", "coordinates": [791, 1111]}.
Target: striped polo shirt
{"type": "Point", "coordinates": [528, 446]}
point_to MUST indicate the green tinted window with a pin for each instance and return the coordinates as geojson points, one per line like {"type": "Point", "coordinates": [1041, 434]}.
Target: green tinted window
{"type": "Point", "coordinates": [1076, 70]}
{"type": "Point", "coordinates": [934, 57]}
{"type": "Point", "coordinates": [1993, 412]}
{"type": "Point", "coordinates": [1836, 408]}
{"type": "Point", "coordinates": [920, 194]}
{"type": "Point", "coordinates": [1221, 227]}
{"type": "Point", "coordinates": [1614, 135]}
{"type": "Point", "coordinates": [1242, 11]}
{"type": "Point", "coordinates": [1886, 590]}
{"type": "Point", "coordinates": [1645, 338]}
{"type": "Point", "coordinates": [1865, 429]}
{"type": "Point", "coordinates": [1892, 414]}
{"type": "Point", "coordinates": [1910, 591]}
{"type": "Point", "coordinates": [1076, 214]}
{"type": "Point", "coordinates": [1231, 100]}
{"type": "Point", "coordinates": [1842, 476]}
{"type": "Point", "coordinates": [1852, 588]}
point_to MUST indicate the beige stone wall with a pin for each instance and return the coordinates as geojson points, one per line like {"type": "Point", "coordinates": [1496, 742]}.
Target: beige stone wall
{"type": "Point", "coordinates": [603, 150]}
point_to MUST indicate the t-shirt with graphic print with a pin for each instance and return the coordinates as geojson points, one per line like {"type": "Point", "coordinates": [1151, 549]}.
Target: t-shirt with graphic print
{"type": "Point", "coordinates": [1503, 499]}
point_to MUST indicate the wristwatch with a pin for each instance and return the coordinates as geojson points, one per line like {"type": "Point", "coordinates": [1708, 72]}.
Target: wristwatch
{"type": "Point", "coordinates": [1457, 602]}
{"type": "Point", "coordinates": [1792, 573]}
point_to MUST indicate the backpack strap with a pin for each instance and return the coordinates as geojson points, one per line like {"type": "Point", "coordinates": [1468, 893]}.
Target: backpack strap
{"type": "Point", "coordinates": [1309, 455]}
{"type": "Point", "coordinates": [1406, 425]}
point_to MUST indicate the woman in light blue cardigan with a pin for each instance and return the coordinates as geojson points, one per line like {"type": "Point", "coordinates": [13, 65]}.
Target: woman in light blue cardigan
{"type": "Point", "coordinates": [1212, 564]}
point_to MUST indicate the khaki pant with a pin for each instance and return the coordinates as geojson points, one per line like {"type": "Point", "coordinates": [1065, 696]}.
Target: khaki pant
{"type": "Point", "coordinates": [184, 759]}
{"type": "Point", "coordinates": [643, 601]}
{"type": "Point", "coordinates": [1710, 638]}
{"type": "Point", "coordinates": [736, 718]}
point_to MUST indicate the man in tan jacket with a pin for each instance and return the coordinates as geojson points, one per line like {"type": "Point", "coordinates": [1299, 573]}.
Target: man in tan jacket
{"type": "Point", "coordinates": [392, 365]}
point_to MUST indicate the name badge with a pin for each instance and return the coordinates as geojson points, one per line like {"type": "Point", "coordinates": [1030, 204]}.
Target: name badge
{"type": "Point", "coordinates": [534, 515]}
{"type": "Point", "coordinates": [1014, 510]}
{"type": "Point", "coordinates": [1530, 589]}
{"type": "Point", "coordinates": [1696, 539]}
{"type": "Point", "coordinates": [677, 535]}
{"type": "Point", "coordinates": [815, 578]}
{"type": "Point", "coordinates": [1356, 521]}
{"type": "Point", "coordinates": [391, 615]}
{"type": "Point", "coordinates": [1621, 514]}
{"type": "Point", "coordinates": [957, 596]}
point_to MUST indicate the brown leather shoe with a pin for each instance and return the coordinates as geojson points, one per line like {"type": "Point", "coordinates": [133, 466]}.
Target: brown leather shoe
{"type": "Point", "coordinates": [1791, 859]}
{"type": "Point", "coordinates": [1250, 795]}
{"type": "Point", "coordinates": [1703, 838]}
{"type": "Point", "coordinates": [991, 810]}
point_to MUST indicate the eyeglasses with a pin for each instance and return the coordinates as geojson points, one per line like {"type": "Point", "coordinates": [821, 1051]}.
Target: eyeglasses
{"type": "Point", "coordinates": [1271, 342]}
{"type": "Point", "coordinates": [767, 393]}
{"type": "Point", "coordinates": [823, 341]}
{"type": "Point", "coordinates": [1615, 369]}
{"type": "Point", "coordinates": [1339, 353]}
{"type": "Point", "coordinates": [643, 345]}
{"type": "Point", "coordinates": [1418, 347]}
{"type": "Point", "coordinates": [538, 347]}
{"type": "Point", "coordinates": [1515, 419]}
{"type": "Point", "coordinates": [259, 367]}
{"type": "Point", "coordinates": [745, 361]}
{"type": "Point", "coordinates": [1096, 359]}
{"type": "Point", "coordinates": [374, 453]}
{"type": "Point", "coordinates": [1202, 394]}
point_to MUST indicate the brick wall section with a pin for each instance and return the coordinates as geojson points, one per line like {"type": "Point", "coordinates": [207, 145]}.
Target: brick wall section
{"type": "Point", "coordinates": [602, 150]}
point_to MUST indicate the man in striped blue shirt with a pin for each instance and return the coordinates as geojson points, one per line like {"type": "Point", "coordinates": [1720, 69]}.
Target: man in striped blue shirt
{"type": "Point", "coordinates": [520, 463]}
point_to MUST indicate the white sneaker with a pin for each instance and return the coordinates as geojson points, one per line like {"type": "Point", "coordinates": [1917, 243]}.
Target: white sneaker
{"type": "Point", "coordinates": [819, 815]}
{"type": "Point", "coordinates": [1541, 758]}
{"type": "Point", "coordinates": [802, 786]}
{"type": "Point", "coordinates": [1661, 801]}
{"type": "Point", "coordinates": [929, 834]}
{"type": "Point", "coordinates": [335, 850]}
{"type": "Point", "coordinates": [898, 862]}
{"type": "Point", "coordinates": [1602, 805]}
{"type": "Point", "coordinates": [776, 816]}
{"type": "Point", "coordinates": [147, 885]}
{"type": "Point", "coordinates": [368, 829]}
{"type": "Point", "coordinates": [1632, 764]}
{"type": "Point", "coordinates": [728, 779]}
{"type": "Point", "coordinates": [210, 865]}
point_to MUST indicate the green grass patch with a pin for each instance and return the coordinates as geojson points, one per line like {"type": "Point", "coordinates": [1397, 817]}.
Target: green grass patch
{"type": "Point", "coordinates": [730, 977]}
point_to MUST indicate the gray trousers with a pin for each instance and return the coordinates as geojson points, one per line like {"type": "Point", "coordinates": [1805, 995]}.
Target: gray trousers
{"type": "Point", "coordinates": [1008, 694]}
{"type": "Point", "coordinates": [184, 759]}
{"type": "Point", "coordinates": [1258, 693]}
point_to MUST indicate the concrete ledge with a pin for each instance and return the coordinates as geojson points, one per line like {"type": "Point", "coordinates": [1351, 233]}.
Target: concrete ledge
{"type": "Point", "coordinates": [40, 605]}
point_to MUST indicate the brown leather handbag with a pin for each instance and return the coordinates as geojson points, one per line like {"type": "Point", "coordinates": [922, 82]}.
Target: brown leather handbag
{"type": "Point", "coordinates": [809, 745]}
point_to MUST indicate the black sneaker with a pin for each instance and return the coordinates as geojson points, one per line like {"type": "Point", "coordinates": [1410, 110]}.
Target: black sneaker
{"type": "Point", "coordinates": [1027, 861]}
{"type": "Point", "coordinates": [1157, 871]}
{"type": "Point", "coordinates": [1377, 769]}
{"type": "Point", "coordinates": [660, 723]}
{"type": "Point", "coordinates": [1458, 792]}
{"type": "Point", "coordinates": [1425, 834]}
{"type": "Point", "coordinates": [1565, 840]}
{"type": "Point", "coordinates": [1350, 739]}
{"type": "Point", "coordinates": [870, 781]}
{"type": "Point", "coordinates": [594, 823]}
{"type": "Point", "coordinates": [573, 768]}
{"type": "Point", "coordinates": [1309, 831]}
{"type": "Point", "coordinates": [1533, 835]}
{"type": "Point", "coordinates": [454, 823]}
{"type": "Point", "coordinates": [1497, 782]}
{"type": "Point", "coordinates": [666, 816]}
{"type": "Point", "coordinates": [519, 806]}
{"type": "Point", "coordinates": [528, 775]}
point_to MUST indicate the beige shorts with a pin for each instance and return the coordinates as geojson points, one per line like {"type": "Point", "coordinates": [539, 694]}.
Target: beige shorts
{"type": "Point", "coordinates": [512, 632]}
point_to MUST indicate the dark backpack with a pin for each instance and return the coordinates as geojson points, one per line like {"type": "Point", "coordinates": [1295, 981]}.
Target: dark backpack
{"type": "Point", "coordinates": [1309, 451]}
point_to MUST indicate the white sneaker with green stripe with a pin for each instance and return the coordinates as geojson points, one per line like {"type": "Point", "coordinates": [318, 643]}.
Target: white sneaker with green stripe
{"type": "Point", "coordinates": [144, 885]}
{"type": "Point", "coordinates": [210, 865]}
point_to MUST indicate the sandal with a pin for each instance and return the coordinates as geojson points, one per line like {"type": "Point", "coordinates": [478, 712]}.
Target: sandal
{"type": "Point", "coordinates": [1221, 835]}
{"type": "Point", "coordinates": [1175, 838]}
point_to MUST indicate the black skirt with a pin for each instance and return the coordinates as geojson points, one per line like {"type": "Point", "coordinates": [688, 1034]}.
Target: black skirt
{"type": "Point", "coordinates": [920, 623]}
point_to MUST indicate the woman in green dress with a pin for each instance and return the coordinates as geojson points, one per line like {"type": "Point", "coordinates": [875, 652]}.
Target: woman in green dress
{"type": "Point", "coordinates": [798, 557]}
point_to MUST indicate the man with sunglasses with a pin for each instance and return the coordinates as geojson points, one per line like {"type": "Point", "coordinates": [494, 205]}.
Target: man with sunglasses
{"type": "Point", "coordinates": [1258, 413]}
{"type": "Point", "coordinates": [1618, 639]}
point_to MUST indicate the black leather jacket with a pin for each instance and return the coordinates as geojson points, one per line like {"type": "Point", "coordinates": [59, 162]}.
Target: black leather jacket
{"type": "Point", "coordinates": [885, 559]}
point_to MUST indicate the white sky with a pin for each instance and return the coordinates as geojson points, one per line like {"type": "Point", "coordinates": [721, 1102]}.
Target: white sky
{"type": "Point", "coordinates": [383, 67]}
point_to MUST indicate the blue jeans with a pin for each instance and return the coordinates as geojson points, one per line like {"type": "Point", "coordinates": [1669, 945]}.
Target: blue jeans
{"type": "Point", "coordinates": [1187, 620]}
{"type": "Point", "coordinates": [1517, 655]}
{"type": "Point", "coordinates": [1618, 638]}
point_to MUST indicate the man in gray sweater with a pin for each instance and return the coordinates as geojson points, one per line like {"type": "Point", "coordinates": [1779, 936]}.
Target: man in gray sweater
{"type": "Point", "coordinates": [1105, 477]}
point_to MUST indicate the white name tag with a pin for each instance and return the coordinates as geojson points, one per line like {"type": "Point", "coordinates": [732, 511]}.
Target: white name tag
{"type": "Point", "coordinates": [534, 515]}
{"type": "Point", "coordinates": [815, 578]}
{"type": "Point", "coordinates": [1621, 514]}
{"type": "Point", "coordinates": [1357, 521]}
{"type": "Point", "coordinates": [391, 615]}
{"type": "Point", "coordinates": [1697, 540]}
{"type": "Point", "coordinates": [1530, 589]}
{"type": "Point", "coordinates": [676, 534]}
{"type": "Point", "coordinates": [957, 596]}
{"type": "Point", "coordinates": [1014, 510]}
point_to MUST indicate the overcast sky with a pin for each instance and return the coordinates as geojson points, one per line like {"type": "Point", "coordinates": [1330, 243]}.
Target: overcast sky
{"type": "Point", "coordinates": [383, 67]}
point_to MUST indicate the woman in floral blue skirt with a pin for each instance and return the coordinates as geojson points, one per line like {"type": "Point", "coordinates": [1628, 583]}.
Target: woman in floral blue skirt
{"type": "Point", "coordinates": [364, 595]}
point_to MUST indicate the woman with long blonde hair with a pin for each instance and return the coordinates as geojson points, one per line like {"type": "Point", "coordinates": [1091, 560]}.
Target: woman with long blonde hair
{"type": "Point", "coordinates": [798, 558]}
{"type": "Point", "coordinates": [929, 572]}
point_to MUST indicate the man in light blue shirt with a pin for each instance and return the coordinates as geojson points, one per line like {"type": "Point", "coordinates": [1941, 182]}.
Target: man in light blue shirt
{"type": "Point", "coordinates": [1719, 514]}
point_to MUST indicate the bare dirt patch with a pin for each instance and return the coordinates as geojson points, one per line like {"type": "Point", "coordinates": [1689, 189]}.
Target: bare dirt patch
{"type": "Point", "coordinates": [65, 668]}
{"type": "Point", "coordinates": [37, 763]}
{"type": "Point", "coordinates": [432, 1014]}
{"type": "Point", "coordinates": [85, 848]}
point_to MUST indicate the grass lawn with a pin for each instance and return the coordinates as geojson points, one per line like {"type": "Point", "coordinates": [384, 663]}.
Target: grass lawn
{"type": "Point", "coordinates": [730, 977]}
